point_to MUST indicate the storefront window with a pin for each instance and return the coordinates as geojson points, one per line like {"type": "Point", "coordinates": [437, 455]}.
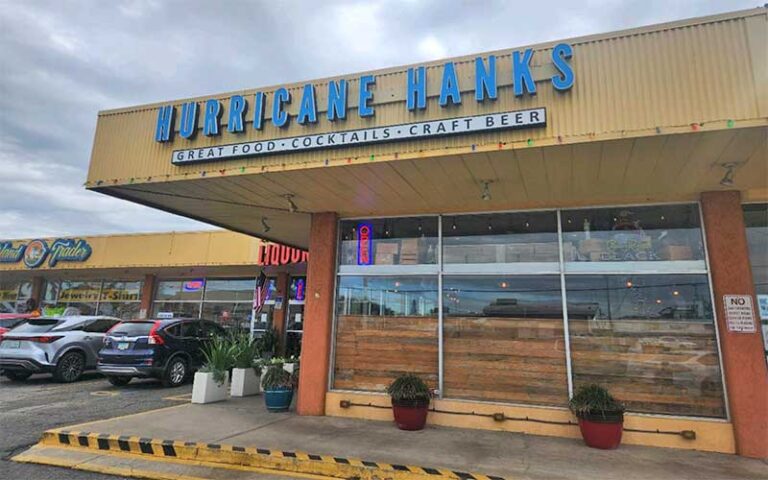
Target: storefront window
{"type": "Point", "coordinates": [649, 338]}
{"type": "Point", "coordinates": [389, 241]}
{"type": "Point", "coordinates": [638, 308]}
{"type": "Point", "coordinates": [386, 326]}
{"type": "Point", "coordinates": [501, 238]}
{"type": "Point", "coordinates": [176, 309]}
{"type": "Point", "coordinates": [80, 295]}
{"type": "Point", "coordinates": [504, 340]}
{"type": "Point", "coordinates": [120, 299]}
{"type": "Point", "coordinates": [668, 233]}
{"type": "Point", "coordinates": [190, 290]}
{"type": "Point", "coordinates": [295, 321]}
{"type": "Point", "coordinates": [756, 222]}
{"type": "Point", "coordinates": [14, 295]}
{"type": "Point", "coordinates": [229, 302]}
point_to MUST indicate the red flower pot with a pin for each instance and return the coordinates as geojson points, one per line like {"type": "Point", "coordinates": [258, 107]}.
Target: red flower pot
{"type": "Point", "coordinates": [411, 416]}
{"type": "Point", "coordinates": [602, 432]}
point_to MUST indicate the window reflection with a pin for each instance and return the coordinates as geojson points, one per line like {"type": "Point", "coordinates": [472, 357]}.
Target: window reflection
{"type": "Point", "coordinates": [669, 232]}
{"type": "Point", "coordinates": [501, 238]}
{"type": "Point", "coordinates": [504, 339]}
{"type": "Point", "coordinates": [393, 241]}
{"type": "Point", "coordinates": [386, 326]}
{"type": "Point", "coordinates": [650, 339]}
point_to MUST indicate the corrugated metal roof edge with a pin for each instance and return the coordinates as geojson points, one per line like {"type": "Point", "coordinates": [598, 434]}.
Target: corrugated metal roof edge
{"type": "Point", "coordinates": [676, 24]}
{"type": "Point", "coordinates": [217, 230]}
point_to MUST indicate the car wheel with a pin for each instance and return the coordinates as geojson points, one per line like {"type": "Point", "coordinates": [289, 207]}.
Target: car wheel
{"type": "Point", "coordinates": [175, 373]}
{"type": "Point", "coordinates": [70, 367]}
{"type": "Point", "coordinates": [17, 376]}
{"type": "Point", "coordinates": [119, 381]}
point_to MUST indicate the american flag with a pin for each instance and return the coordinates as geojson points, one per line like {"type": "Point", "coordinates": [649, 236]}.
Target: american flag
{"type": "Point", "coordinates": [260, 295]}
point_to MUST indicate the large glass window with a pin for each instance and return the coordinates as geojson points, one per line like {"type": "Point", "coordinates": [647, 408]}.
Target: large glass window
{"type": "Point", "coordinates": [649, 338]}
{"type": "Point", "coordinates": [504, 340]}
{"type": "Point", "coordinates": [756, 222]}
{"type": "Point", "coordinates": [389, 241]}
{"type": "Point", "coordinates": [638, 316]}
{"type": "Point", "coordinates": [501, 238]}
{"type": "Point", "coordinates": [73, 294]}
{"type": "Point", "coordinates": [14, 295]}
{"type": "Point", "coordinates": [120, 299]}
{"type": "Point", "coordinates": [229, 302]}
{"type": "Point", "coordinates": [386, 326]}
{"type": "Point", "coordinates": [666, 233]}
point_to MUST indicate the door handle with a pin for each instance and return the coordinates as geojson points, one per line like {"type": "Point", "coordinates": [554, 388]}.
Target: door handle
{"type": "Point", "coordinates": [86, 338]}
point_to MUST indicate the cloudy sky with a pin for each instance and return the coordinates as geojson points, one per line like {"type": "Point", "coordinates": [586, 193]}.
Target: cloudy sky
{"type": "Point", "coordinates": [63, 61]}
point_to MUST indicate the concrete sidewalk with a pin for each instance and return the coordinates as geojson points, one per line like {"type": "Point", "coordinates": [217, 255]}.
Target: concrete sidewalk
{"type": "Point", "coordinates": [245, 422]}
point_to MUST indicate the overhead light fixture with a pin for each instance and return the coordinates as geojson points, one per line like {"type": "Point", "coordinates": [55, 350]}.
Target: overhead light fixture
{"type": "Point", "coordinates": [730, 169]}
{"type": "Point", "coordinates": [486, 191]}
{"type": "Point", "coordinates": [265, 225]}
{"type": "Point", "coordinates": [291, 205]}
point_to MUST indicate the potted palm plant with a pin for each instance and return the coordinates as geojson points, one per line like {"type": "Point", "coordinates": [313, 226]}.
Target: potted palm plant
{"type": "Point", "coordinates": [410, 401]}
{"type": "Point", "coordinates": [601, 417]}
{"type": "Point", "coordinates": [246, 375]}
{"type": "Point", "coordinates": [278, 387]}
{"type": "Point", "coordinates": [212, 380]}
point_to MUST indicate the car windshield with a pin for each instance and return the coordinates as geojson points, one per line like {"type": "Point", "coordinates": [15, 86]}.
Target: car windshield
{"type": "Point", "coordinates": [132, 329]}
{"type": "Point", "coordinates": [8, 322]}
{"type": "Point", "coordinates": [39, 325]}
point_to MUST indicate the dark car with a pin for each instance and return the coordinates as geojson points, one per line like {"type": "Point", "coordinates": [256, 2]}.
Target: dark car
{"type": "Point", "coordinates": [170, 350]}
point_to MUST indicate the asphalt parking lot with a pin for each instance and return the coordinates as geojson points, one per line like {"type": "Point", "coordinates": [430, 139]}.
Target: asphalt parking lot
{"type": "Point", "coordinates": [28, 408]}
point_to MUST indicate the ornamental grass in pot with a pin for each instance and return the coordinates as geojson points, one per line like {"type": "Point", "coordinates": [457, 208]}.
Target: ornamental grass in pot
{"type": "Point", "coordinates": [601, 417]}
{"type": "Point", "coordinates": [212, 380]}
{"type": "Point", "coordinates": [278, 387]}
{"type": "Point", "coordinates": [246, 374]}
{"type": "Point", "coordinates": [410, 401]}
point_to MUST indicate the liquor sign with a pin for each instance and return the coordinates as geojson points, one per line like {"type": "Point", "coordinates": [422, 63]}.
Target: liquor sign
{"type": "Point", "coordinates": [364, 244]}
{"type": "Point", "coordinates": [276, 255]}
{"type": "Point", "coordinates": [739, 314]}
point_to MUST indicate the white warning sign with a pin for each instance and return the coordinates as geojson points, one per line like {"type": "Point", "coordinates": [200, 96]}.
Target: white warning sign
{"type": "Point", "coordinates": [739, 313]}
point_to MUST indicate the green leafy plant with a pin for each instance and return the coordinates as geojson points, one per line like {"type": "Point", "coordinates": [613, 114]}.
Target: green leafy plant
{"type": "Point", "coordinates": [594, 400]}
{"type": "Point", "coordinates": [267, 343]}
{"type": "Point", "coordinates": [277, 378]}
{"type": "Point", "coordinates": [409, 390]}
{"type": "Point", "coordinates": [219, 358]}
{"type": "Point", "coordinates": [244, 351]}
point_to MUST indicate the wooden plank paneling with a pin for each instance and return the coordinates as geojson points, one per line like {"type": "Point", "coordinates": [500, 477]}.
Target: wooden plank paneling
{"type": "Point", "coordinates": [656, 366]}
{"type": "Point", "coordinates": [515, 360]}
{"type": "Point", "coordinates": [373, 351]}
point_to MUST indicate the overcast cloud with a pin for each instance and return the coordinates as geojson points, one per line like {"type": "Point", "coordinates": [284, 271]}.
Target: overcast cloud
{"type": "Point", "coordinates": [63, 61]}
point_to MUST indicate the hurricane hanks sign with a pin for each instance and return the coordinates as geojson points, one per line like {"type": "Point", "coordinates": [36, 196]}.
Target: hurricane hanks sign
{"type": "Point", "coordinates": [248, 112]}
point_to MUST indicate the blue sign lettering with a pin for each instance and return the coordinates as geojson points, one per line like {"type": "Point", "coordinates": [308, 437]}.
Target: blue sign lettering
{"type": "Point", "coordinates": [416, 94]}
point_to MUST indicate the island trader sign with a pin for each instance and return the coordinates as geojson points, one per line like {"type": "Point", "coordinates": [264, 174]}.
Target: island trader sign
{"type": "Point", "coordinates": [486, 89]}
{"type": "Point", "coordinates": [34, 253]}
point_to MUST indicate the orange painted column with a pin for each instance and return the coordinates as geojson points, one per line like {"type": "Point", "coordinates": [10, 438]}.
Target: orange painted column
{"type": "Point", "coordinates": [147, 295]}
{"type": "Point", "coordinates": [746, 375]}
{"type": "Point", "coordinates": [318, 314]}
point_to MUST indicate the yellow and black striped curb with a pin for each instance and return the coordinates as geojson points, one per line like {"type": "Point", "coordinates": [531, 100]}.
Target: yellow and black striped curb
{"type": "Point", "coordinates": [296, 462]}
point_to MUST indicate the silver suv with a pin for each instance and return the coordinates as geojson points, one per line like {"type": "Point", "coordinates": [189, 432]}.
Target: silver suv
{"type": "Point", "coordinates": [63, 346]}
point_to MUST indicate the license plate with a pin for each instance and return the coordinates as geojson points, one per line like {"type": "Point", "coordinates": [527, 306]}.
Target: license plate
{"type": "Point", "coordinates": [12, 344]}
{"type": "Point", "coordinates": [123, 345]}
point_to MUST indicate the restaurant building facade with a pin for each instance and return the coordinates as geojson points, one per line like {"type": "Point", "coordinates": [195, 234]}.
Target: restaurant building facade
{"type": "Point", "coordinates": [210, 274]}
{"type": "Point", "coordinates": [509, 225]}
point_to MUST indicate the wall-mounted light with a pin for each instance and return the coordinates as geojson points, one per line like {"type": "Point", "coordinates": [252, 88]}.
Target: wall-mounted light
{"type": "Point", "coordinates": [730, 169]}
{"type": "Point", "coordinates": [291, 205]}
{"type": "Point", "coordinates": [486, 191]}
{"type": "Point", "coordinates": [265, 225]}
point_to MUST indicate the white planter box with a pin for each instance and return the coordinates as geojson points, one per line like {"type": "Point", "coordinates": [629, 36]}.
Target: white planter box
{"type": "Point", "coordinates": [245, 382]}
{"type": "Point", "coordinates": [288, 367]}
{"type": "Point", "coordinates": [206, 390]}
